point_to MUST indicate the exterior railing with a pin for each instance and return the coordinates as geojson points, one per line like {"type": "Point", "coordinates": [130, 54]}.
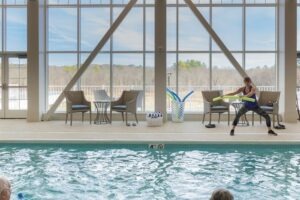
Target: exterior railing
{"type": "Point", "coordinates": [194, 104]}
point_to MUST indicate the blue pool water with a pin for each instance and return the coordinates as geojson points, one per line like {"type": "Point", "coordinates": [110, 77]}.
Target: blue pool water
{"type": "Point", "coordinates": [92, 172]}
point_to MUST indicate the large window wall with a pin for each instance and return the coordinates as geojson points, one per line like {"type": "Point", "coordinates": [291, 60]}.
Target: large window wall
{"type": "Point", "coordinates": [125, 63]}
{"type": "Point", "coordinates": [298, 43]}
{"type": "Point", "coordinates": [13, 66]}
{"type": "Point", "coordinates": [194, 61]}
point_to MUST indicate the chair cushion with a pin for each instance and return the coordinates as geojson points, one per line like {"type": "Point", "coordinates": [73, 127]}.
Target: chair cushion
{"type": "Point", "coordinates": [267, 108]}
{"type": "Point", "coordinates": [119, 107]}
{"type": "Point", "coordinates": [219, 108]}
{"type": "Point", "coordinates": [80, 107]}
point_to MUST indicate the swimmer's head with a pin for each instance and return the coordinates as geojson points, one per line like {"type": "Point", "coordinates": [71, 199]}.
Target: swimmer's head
{"type": "Point", "coordinates": [5, 189]}
{"type": "Point", "coordinates": [221, 194]}
{"type": "Point", "coordinates": [247, 81]}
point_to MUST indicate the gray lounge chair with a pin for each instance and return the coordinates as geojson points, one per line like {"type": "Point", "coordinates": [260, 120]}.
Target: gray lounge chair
{"type": "Point", "coordinates": [76, 102]}
{"type": "Point", "coordinates": [127, 103]}
{"type": "Point", "coordinates": [269, 102]}
{"type": "Point", "coordinates": [210, 106]}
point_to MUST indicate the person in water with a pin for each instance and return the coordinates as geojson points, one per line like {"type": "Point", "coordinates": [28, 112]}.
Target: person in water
{"type": "Point", "coordinates": [5, 189]}
{"type": "Point", "coordinates": [221, 194]}
{"type": "Point", "coordinates": [249, 90]}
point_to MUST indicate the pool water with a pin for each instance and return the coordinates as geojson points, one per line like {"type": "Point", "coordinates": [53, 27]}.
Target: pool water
{"type": "Point", "coordinates": [94, 172]}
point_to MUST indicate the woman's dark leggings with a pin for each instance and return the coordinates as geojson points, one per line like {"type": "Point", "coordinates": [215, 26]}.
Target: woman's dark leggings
{"type": "Point", "coordinates": [257, 110]}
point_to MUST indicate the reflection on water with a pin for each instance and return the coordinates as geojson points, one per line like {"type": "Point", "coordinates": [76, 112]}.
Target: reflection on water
{"type": "Point", "coordinates": [134, 172]}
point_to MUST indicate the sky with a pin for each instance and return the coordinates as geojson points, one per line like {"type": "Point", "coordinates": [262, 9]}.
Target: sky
{"type": "Point", "coordinates": [226, 21]}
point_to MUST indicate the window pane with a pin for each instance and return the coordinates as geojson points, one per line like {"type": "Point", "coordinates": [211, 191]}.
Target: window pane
{"type": "Point", "coordinates": [224, 76]}
{"type": "Point", "coordinates": [127, 74]}
{"type": "Point", "coordinates": [17, 82]}
{"type": "Point", "coordinates": [1, 31]}
{"type": "Point", "coordinates": [62, 67]}
{"type": "Point", "coordinates": [149, 82]}
{"type": "Point", "coordinates": [171, 76]}
{"type": "Point", "coordinates": [62, 2]}
{"type": "Point", "coordinates": [298, 28]}
{"type": "Point", "coordinates": [62, 29]}
{"type": "Point", "coordinates": [260, 28]}
{"type": "Point", "coordinates": [193, 75]}
{"type": "Point", "coordinates": [1, 83]}
{"type": "Point", "coordinates": [171, 28]}
{"type": "Point", "coordinates": [129, 35]}
{"type": "Point", "coordinates": [95, 22]}
{"type": "Point", "coordinates": [95, 1]}
{"type": "Point", "coordinates": [97, 76]}
{"type": "Point", "coordinates": [150, 29]}
{"type": "Point", "coordinates": [261, 68]}
{"type": "Point", "coordinates": [192, 35]}
{"type": "Point", "coordinates": [16, 29]}
{"type": "Point", "coordinates": [228, 24]}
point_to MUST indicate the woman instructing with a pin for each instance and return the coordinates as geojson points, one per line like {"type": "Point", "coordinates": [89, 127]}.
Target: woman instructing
{"type": "Point", "coordinates": [249, 90]}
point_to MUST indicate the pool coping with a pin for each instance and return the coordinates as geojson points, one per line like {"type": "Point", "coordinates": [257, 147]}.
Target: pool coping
{"type": "Point", "coordinates": [147, 138]}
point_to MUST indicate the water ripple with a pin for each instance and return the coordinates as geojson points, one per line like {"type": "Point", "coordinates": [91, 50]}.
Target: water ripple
{"type": "Point", "coordinates": [90, 173]}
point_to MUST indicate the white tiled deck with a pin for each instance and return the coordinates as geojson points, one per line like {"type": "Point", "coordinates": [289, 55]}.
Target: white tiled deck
{"type": "Point", "coordinates": [189, 132]}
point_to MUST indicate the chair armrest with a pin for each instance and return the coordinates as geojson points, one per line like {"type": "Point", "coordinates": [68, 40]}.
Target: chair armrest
{"type": "Point", "coordinates": [275, 107]}
{"type": "Point", "coordinates": [131, 105]}
{"type": "Point", "coordinates": [69, 104]}
{"type": "Point", "coordinates": [207, 106]}
{"type": "Point", "coordinates": [86, 102]}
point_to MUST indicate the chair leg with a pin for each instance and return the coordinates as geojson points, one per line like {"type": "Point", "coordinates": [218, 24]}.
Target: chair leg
{"type": "Point", "coordinates": [260, 119]}
{"type": "Point", "coordinates": [209, 118]}
{"type": "Point", "coordinates": [278, 119]}
{"type": "Point", "coordinates": [110, 116]}
{"type": "Point", "coordinates": [122, 116]}
{"type": "Point", "coordinates": [219, 118]}
{"type": "Point", "coordinates": [67, 115]}
{"type": "Point", "coordinates": [71, 119]}
{"type": "Point", "coordinates": [203, 118]}
{"type": "Point", "coordinates": [273, 116]}
{"type": "Point", "coordinates": [126, 117]}
{"type": "Point", "coordinates": [82, 118]}
{"type": "Point", "coordinates": [252, 118]}
{"type": "Point", "coordinates": [136, 119]}
{"type": "Point", "coordinates": [228, 118]}
{"type": "Point", "coordinates": [90, 116]}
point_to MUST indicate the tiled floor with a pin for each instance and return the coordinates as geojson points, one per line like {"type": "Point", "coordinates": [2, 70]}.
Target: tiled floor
{"type": "Point", "coordinates": [188, 132]}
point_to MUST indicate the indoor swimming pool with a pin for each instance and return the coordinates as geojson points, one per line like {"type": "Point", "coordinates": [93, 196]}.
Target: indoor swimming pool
{"type": "Point", "coordinates": [91, 172]}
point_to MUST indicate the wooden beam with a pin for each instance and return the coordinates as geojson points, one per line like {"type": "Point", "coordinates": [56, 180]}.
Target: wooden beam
{"type": "Point", "coordinates": [216, 38]}
{"type": "Point", "coordinates": [160, 57]}
{"type": "Point", "coordinates": [91, 57]}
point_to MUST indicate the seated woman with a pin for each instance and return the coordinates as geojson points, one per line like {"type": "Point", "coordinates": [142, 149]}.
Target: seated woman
{"type": "Point", "coordinates": [5, 189]}
{"type": "Point", "coordinates": [249, 90]}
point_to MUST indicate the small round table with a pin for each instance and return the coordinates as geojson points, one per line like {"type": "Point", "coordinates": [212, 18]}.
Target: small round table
{"type": "Point", "coordinates": [237, 105]}
{"type": "Point", "coordinates": [102, 114]}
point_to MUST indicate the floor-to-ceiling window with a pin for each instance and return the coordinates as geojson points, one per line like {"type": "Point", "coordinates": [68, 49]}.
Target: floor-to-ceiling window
{"type": "Point", "coordinates": [13, 61]}
{"type": "Point", "coordinates": [195, 62]}
{"type": "Point", "coordinates": [126, 62]}
{"type": "Point", "coordinates": [298, 43]}
{"type": "Point", "coordinates": [298, 50]}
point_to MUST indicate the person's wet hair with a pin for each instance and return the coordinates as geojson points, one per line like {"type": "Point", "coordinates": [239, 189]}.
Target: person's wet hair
{"type": "Point", "coordinates": [221, 194]}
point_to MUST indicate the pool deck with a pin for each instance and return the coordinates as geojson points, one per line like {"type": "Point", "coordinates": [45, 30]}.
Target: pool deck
{"type": "Point", "coordinates": [20, 131]}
